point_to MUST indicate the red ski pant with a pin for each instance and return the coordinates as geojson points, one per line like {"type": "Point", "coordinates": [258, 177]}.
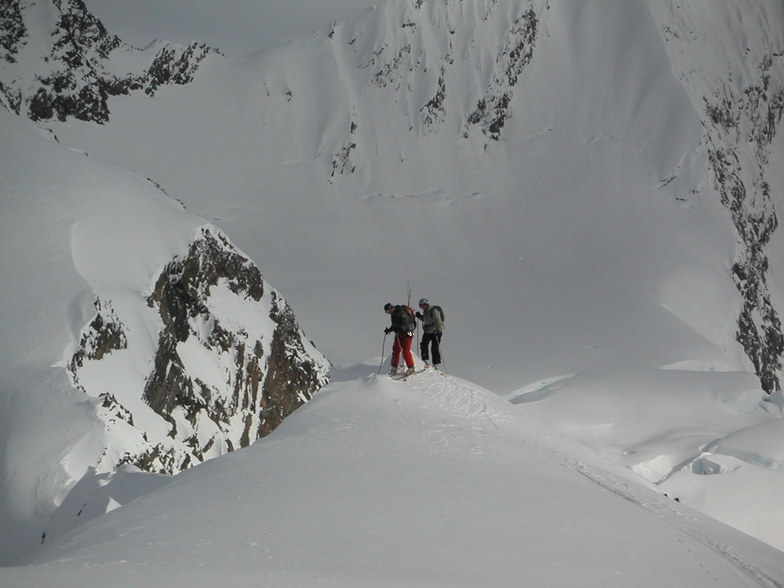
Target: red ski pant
{"type": "Point", "coordinates": [402, 343]}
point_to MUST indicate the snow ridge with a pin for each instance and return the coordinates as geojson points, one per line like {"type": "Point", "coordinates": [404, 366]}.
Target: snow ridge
{"type": "Point", "coordinates": [402, 470]}
{"type": "Point", "coordinates": [481, 408]}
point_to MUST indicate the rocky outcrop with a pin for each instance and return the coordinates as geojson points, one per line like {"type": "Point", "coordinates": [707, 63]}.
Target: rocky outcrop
{"type": "Point", "coordinates": [422, 56]}
{"type": "Point", "coordinates": [77, 77]}
{"type": "Point", "coordinates": [492, 110]}
{"type": "Point", "coordinates": [741, 114]}
{"type": "Point", "coordinates": [102, 336]}
{"type": "Point", "coordinates": [751, 117]}
{"type": "Point", "coordinates": [12, 30]}
{"type": "Point", "coordinates": [211, 381]}
{"type": "Point", "coordinates": [229, 365]}
{"type": "Point", "coordinates": [434, 111]}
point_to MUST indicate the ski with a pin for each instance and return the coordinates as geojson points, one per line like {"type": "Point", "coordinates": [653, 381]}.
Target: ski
{"type": "Point", "coordinates": [401, 377]}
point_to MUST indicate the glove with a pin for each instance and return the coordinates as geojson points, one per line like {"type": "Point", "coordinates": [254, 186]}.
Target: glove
{"type": "Point", "coordinates": [388, 330]}
{"type": "Point", "coordinates": [418, 314]}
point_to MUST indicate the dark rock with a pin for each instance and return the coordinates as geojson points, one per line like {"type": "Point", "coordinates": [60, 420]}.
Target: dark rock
{"type": "Point", "coordinates": [751, 117]}
{"type": "Point", "coordinates": [267, 376]}
{"type": "Point", "coordinates": [12, 29]}
{"type": "Point", "coordinates": [104, 335]}
{"type": "Point", "coordinates": [80, 83]}
{"type": "Point", "coordinates": [492, 110]}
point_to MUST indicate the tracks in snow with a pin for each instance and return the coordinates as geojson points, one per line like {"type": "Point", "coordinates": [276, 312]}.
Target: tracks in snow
{"type": "Point", "coordinates": [487, 414]}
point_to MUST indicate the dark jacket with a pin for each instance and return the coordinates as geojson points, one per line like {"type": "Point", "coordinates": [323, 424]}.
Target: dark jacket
{"type": "Point", "coordinates": [402, 320]}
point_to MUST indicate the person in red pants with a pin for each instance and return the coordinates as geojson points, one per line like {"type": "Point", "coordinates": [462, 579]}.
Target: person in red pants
{"type": "Point", "coordinates": [403, 326]}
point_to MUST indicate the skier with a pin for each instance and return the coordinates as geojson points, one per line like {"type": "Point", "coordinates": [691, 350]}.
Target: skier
{"type": "Point", "coordinates": [403, 325]}
{"type": "Point", "coordinates": [432, 318]}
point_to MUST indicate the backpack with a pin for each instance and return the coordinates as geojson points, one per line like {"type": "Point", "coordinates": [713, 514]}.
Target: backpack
{"type": "Point", "coordinates": [440, 311]}
{"type": "Point", "coordinates": [406, 318]}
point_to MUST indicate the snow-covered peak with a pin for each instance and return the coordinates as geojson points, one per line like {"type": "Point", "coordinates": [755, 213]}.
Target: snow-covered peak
{"type": "Point", "coordinates": [59, 61]}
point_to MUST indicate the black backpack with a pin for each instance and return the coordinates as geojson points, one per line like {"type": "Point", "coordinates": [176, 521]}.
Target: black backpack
{"type": "Point", "coordinates": [440, 311]}
{"type": "Point", "coordinates": [404, 319]}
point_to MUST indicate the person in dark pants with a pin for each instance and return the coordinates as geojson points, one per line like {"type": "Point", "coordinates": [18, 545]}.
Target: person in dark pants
{"type": "Point", "coordinates": [432, 318]}
{"type": "Point", "coordinates": [403, 326]}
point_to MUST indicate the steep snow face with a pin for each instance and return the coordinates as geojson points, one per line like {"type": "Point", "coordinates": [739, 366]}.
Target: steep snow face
{"type": "Point", "coordinates": [404, 73]}
{"type": "Point", "coordinates": [236, 27]}
{"type": "Point", "coordinates": [415, 50]}
{"type": "Point", "coordinates": [133, 332]}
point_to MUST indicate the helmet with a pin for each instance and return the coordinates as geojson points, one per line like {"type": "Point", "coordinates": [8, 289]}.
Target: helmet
{"type": "Point", "coordinates": [423, 302]}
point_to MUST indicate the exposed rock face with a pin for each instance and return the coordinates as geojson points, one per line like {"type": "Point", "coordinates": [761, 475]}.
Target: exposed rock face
{"type": "Point", "coordinates": [492, 110]}
{"type": "Point", "coordinates": [75, 78]}
{"type": "Point", "coordinates": [104, 335]}
{"type": "Point", "coordinates": [753, 119]}
{"type": "Point", "coordinates": [741, 119]}
{"type": "Point", "coordinates": [741, 116]}
{"type": "Point", "coordinates": [426, 48]}
{"type": "Point", "coordinates": [217, 382]}
{"type": "Point", "coordinates": [12, 29]}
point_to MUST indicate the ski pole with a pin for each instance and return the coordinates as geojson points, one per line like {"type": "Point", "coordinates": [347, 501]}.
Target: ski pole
{"type": "Point", "coordinates": [441, 352]}
{"type": "Point", "coordinates": [383, 345]}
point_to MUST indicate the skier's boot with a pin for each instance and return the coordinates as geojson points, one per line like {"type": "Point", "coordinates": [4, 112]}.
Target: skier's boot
{"type": "Point", "coordinates": [409, 371]}
{"type": "Point", "coordinates": [393, 371]}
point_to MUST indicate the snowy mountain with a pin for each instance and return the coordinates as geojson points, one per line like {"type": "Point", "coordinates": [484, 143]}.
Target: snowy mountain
{"type": "Point", "coordinates": [589, 190]}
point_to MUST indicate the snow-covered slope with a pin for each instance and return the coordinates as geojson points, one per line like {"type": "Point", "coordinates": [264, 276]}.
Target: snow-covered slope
{"type": "Point", "coordinates": [588, 188]}
{"type": "Point", "coordinates": [133, 332]}
{"type": "Point", "coordinates": [429, 482]}
{"type": "Point", "coordinates": [236, 27]}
